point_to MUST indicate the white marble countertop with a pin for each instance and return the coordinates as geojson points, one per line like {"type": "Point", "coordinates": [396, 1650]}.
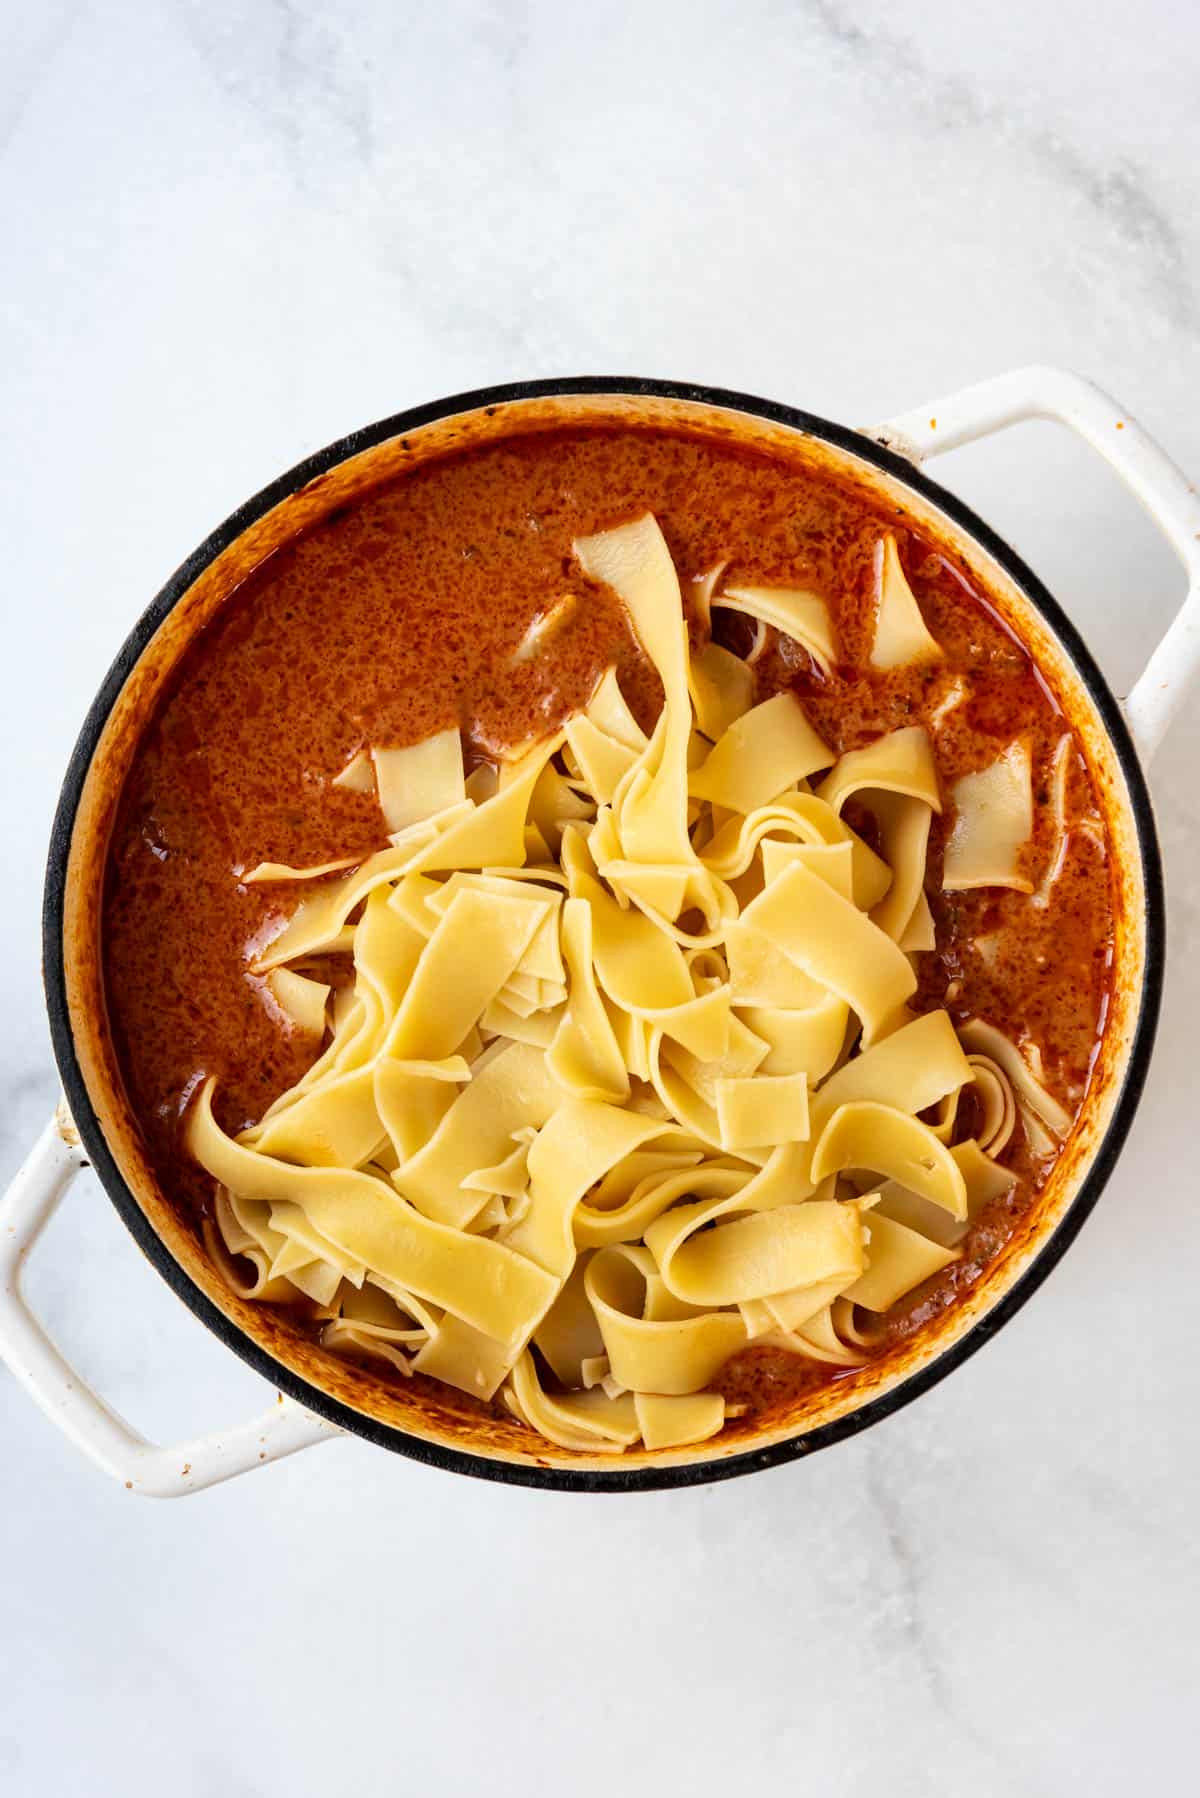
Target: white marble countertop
{"type": "Point", "coordinates": [233, 231]}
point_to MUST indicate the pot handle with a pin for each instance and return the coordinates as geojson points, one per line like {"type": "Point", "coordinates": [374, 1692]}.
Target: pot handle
{"type": "Point", "coordinates": [158, 1471]}
{"type": "Point", "coordinates": [1171, 500]}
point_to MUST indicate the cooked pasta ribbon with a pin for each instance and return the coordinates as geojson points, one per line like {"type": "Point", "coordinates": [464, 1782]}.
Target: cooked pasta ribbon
{"type": "Point", "coordinates": [365, 1221]}
{"type": "Point", "coordinates": [993, 821]}
{"type": "Point", "coordinates": [419, 780]}
{"type": "Point", "coordinates": [358, 776]}
{"type": "Point", "coordinates": [759, 756]}
{"type": "Point", "coordinates": [898, 1260]}
{"type": "Point", "coordinates": [301, 998]}
{"type": "Point", "coordinates": [830, 940]}
{"type": "Point", "coordinates": [901, 762]}
{"type": "Point", "coordinates": [722, 689]}
{"type": "Point", "coordinates": [889, 1142]}
{"type": "Point", "coordinates": [901, 634]}
{"type": "Point", "coordinates": [673, 1355]}
{"type": "Point", "coordinates": [795, 611]}
{"type": "Point", "coordinates": [269, 871]}
{"type": "Point", "coordinates": [1031, 1095]}
{"type": "Point", "coordinates": [751, 1257]}
{"type": "Point", "coordinates": [667, 1422]}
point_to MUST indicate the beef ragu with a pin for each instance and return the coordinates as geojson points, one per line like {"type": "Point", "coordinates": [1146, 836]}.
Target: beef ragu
{"type": "Point", "coordinates": [408, 614]}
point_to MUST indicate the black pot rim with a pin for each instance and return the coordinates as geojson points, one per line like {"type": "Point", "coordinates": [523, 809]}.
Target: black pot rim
{"type": "Point", "coordinates": [616, 1479]}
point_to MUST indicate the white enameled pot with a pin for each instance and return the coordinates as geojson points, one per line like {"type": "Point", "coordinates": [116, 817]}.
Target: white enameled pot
{"type": "Point", "coordinates": [315, 1395]}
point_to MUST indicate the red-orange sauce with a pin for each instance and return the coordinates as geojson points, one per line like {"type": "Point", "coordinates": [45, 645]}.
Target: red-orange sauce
{"type": "Point", "coordinates": [399, 615]}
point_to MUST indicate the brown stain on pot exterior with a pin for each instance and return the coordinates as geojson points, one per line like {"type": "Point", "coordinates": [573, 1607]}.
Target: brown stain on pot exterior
{"type": "Point", "coordinates": [421, 1408]}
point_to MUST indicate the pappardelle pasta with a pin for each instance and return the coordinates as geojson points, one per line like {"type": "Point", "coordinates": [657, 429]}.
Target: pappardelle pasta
{"type": "Point", "coordinates": [630, 1068]}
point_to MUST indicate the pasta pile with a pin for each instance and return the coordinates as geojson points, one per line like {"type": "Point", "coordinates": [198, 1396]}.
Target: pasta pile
{"type": "Point", "coordinates": [627, 1073]}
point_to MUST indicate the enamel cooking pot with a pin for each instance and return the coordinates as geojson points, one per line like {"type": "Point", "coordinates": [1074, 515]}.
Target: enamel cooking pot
{"type": "Point", "coordinates": [317, 1394]}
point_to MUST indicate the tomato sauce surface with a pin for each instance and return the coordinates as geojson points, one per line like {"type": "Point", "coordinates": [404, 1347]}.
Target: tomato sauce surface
{"type": "Point", "coordinates": [401, 614]}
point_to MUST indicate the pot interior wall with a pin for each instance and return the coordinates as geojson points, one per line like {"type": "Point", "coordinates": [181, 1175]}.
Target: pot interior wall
{"type": "Point", "coordinates": [436, 1415]}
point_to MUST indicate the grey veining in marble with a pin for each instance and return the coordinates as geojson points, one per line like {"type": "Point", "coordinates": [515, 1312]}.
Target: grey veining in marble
{"type": "Point", "coordinates": [234, 230]}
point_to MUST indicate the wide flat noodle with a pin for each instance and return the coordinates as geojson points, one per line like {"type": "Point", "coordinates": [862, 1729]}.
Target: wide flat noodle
{"type": "Point", "coordinates": [896, 778]}
{"type": "Point", "coordinates": [491, 834]}
{"type": "Point", "coordinates": [761, 1110]}
{"type": "Point", "coordinates": [602, 760]}
{"type": "Point", "coordinates": [585, 1056]}
{"type": "Point", "coordinates": [833, 862]}
{"type": "Point", "coordinates": [574, 1149]}
{"type": "Point", "coordinates": [667, 1422]}
{"type": "Point", "coordinates": [910, 1070]}
{"type": "Point", "coordinates": [674, 1355]}
{"type": "Point", "coordinates": [569, 1337]}
{"type": "Point", "coordinates": [806, 1041]}
{"type": "Point", "coordinates": [486, 1284]}
{"type": "Point", "coordinates": [334, 1125]}
{"type": "Point", "coordinates": [465, 963]}
{"type": "Point", "coordinates": [904, 838]}
{"type": "Point", "coordinates": [821, 1339]}
{"type": "Point", "coordinates": [759, 756]}
{"type": "Point", "coordinates": [792, 1310]}
{"type": "Point", "coordinates": [316, 922]}
{"type": "Point", "coordinates": [464, 1357]}
{"type": "Point", "coordinates": [830, 940]}
{"type": "Point", "coordinates": [411, 1098]}
{"type": "Point", "coordinates": [638, 965]}
{"type": "Point", "coordinates": [901, 637]}
{"type": "Point", "coordinates": [635, 562]}
{"type": "Point", "coordinates": [609, 710]}
{"type": "Point", "coordinates": [731, 850]}
{"type": "Point", "coordinates": [993, 821]}
{"type": "Point", "coordinates": [419, 780]}
{"type": "Point", "coordinates": [898, 1259]}
{"type": "Point", "coordinates": [984, 1178]}
{"type": "Point", "coordinates": [751, 1257]}
{"type": "Point", "coordinates": [721, 687]}
{"type": "Point", "coordinates": [901, 762]}
{"type": "Point", "coordinates": [272, 871]}
{"type": "Point", "coordinates": [234, 1247]}
{"type": "Point", "coordinates": [797, 612]}
{"type": "Point", "coordinates": [515, 1090]}
{"type": "Point", "coordinates": [358, 776]}
{"type": "Point", "coordinates": [589, 1422]}
{"type": "Point", "coordinates": [544, 628]}
{"type": "Point", "coordinates": [370, 1322]}
{"type": "Point", "coordinates": [920, 933]}
{"type": "Point", "coordinates": [890, 1142]}
{"type": "Point", "coordinates": [303, 1000]}
{"type": "Point", "coordinates": [679, 1177]}
{"type": "Point", "coordinates": [984, 1039]}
